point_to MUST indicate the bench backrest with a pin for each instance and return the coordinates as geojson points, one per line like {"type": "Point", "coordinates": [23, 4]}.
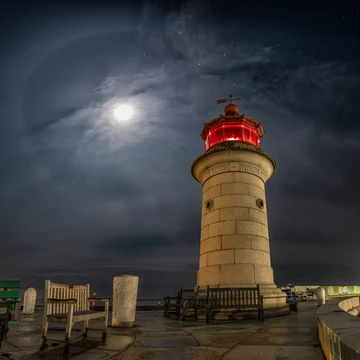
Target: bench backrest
{"type": "Point", "coordinates": [188, 292]}
{"type": "Point", "coordinates": [227, 297]}
{"type": "Point", "coordinates": [9, 289]}
{"type": "Point", "coordinates": [61, 291]}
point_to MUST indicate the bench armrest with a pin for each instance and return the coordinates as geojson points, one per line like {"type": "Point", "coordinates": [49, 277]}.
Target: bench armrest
{"type": "Point", "coordinates": [62, 301]}
{"type": "Point", "coordinates": [99, 299]}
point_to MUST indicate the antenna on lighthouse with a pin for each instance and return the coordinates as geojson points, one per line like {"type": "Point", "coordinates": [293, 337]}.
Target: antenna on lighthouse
{"type": "Point", "coordinates": [221, 101]}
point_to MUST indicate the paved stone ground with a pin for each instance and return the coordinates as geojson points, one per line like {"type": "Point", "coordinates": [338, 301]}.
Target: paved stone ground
{"type": "Point", "coordinates": [154, 338]}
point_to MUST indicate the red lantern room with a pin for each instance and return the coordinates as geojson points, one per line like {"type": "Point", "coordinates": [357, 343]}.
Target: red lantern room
{"type": "Point", "coordinates": [232, 127]}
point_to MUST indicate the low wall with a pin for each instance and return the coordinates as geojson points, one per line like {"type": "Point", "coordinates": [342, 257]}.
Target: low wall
{"type": "Point", "coordinates": [332, 291]}
{"type": "Point", "coordinates": [351, 305]}
{"type": "Point", "coordinates": [339, 331]}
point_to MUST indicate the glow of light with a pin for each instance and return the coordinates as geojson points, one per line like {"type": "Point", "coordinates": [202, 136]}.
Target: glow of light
{"type": "Point", "coordinates": [123, 112]}
{"type": "Point", "coordinates": [233, 138]}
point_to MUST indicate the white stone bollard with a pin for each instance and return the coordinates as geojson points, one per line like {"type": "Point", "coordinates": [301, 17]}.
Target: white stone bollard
{"type": "Point", "coordinates": [29, 301]}
{"type": "Point", "coordinates": [125, 289]}
{"type": "Point", "coordinates": [320, 296]}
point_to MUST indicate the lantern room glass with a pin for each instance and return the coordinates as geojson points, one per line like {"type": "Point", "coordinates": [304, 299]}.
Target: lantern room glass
{"type": "Point", "coordinates": [232, 132]}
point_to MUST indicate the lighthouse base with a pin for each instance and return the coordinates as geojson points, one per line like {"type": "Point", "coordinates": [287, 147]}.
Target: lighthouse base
{"type": "Point", "coordinates": [273, 297]}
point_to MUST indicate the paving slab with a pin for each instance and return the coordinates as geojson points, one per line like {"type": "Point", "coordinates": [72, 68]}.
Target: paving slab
{"type": "Point", "coordinates": [282, 339]}
{"type": "Point", "coordinates": [223, 339]}
{"type": "Point", "coordinates": [167, 341]}
{"type": "Point", "coordinates": [166, 353]}
{"type": "Point", "coordinates": [246, 352]}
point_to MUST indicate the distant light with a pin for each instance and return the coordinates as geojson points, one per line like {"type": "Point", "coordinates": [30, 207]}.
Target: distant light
{"type": "Point", "coordinates": [233, 84]}
{"type": "Point", "coordinates": [144, 54]}
{"type": "Point", "coordinates": [123, 112]}
{"type": "Point", "coordinates": [199, 64]}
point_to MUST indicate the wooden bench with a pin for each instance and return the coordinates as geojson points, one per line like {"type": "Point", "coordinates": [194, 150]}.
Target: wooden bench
{"type": "Point", "coordinates": [236, 299]}
{"type": "Point", "coordinates": [10, 292]}
{"type": "Point", "coordinates": [69, 304]}
{"type": "Point", "coordinates": [174, 304]}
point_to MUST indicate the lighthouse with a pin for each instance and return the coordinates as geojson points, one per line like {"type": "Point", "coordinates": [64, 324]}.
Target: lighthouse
{"type": "Point", "coordinates": [234, 241]}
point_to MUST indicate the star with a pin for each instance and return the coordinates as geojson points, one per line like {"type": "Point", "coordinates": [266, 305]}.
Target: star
{"type": "Point", "coordinates": [199, 64]}
{"type": "Point", "coordinates": [233, 84]}
{"type": "Point", "coordinates": [278, 45]}
{"type": "Point", "coordinates": [343, 17]}
{"type": "Point", "coordinates": [233, 42]}
{"type": "Point", "coordinates": [144, 54]}
{"type": "Point", "coordinates": [179, 32]}
{"type": "Point", "coordinates": [224, 54]}
{"type": "Point", "coordinates": [272, 35]}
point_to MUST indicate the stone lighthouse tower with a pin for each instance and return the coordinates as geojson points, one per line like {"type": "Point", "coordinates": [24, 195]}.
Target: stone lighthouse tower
{"type": "Point", "coordinates": [234, 244]}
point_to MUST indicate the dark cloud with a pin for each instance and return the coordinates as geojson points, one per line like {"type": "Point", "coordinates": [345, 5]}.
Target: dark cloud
{"type": "Point", "coordinates": [85, 197]}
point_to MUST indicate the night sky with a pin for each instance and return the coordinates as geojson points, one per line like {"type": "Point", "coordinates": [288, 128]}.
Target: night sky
{"type": "Point", "coordinates": [85, 196]}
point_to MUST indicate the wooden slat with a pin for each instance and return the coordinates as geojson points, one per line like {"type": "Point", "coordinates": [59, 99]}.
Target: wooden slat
{"type": "Point", "coordinates": [10, 284]}
{"type": "Point", "coordinates": [68, 286]}
{"type": "Point", "coordinates": [58, 297]}
{"type": "Point", "coordinates": [51, 306]}
{"type": "Point", "coordinates": [80, 299]}
{"type": "Point", "coordinates": [78, 316]}
{"type": "Point", "coordinates": [81, 302]}
{"type": "Point", "coordinates": [67, 296]}
{"type": "Point", "coordinates": [4, 294]}
{"type": "Point", "coordinates": [84, 297]}
{"type": "Point", "coordinates": [62, 297]}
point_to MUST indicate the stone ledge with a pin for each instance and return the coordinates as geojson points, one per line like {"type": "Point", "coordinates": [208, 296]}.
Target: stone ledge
{"type": "Point", "coordinates": [339, 331]}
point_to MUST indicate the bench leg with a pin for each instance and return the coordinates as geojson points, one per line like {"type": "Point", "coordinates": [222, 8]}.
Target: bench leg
{"type": "Point", "coordinates": [69, 326]}
{"type": "Point", "coordinates": [66, 346]}
{"type": "Point", "coordinates": [16, 312]}
{"type": "Point", "coordinates": [106, 319]}
{"type": "Point", "coordinates": [86, 326]}
{"type": "Point", "coordinates": [44, 334]}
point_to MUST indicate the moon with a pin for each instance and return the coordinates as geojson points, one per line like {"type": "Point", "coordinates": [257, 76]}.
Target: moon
{"type": "Point", "coordinates": [123, 112]}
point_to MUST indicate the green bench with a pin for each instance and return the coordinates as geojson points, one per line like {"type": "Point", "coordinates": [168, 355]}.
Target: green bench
{"type": "Point", "coordinates": [10, 292]}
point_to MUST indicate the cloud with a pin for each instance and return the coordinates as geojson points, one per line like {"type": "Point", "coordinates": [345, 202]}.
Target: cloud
{"type": "Point", "coordinates": [120, 195]}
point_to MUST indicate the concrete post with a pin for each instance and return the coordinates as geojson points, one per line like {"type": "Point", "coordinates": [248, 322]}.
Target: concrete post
{"type": "Point", "coordinates": [29, 301]}
{"type": "Point", "coordinates": [124, 300]}
{"type": "Point", "coordinates": [320, 296]}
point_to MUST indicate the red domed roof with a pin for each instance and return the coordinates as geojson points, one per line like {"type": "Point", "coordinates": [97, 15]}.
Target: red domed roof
{"type": "Point", "coordinates": [231, 109]}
